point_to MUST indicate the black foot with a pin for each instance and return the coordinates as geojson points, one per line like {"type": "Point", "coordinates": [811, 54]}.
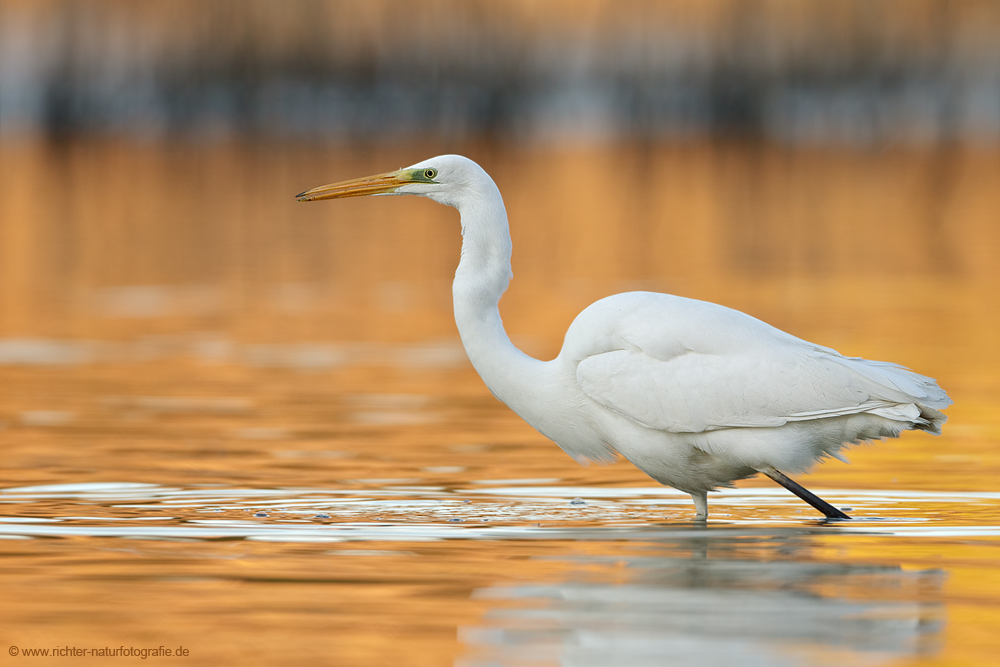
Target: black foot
{"type": "Point", "coordinates": [805, 494]}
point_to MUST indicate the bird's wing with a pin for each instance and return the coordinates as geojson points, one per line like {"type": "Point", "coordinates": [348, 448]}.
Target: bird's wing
{"type": "Point", "coordinates": [694, 392]}
{"type": "Point", "coordinates": [724, 369]}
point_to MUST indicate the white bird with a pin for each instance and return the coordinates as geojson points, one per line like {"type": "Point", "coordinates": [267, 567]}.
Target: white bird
{"type": "Point", "coordinates": [696, 395]}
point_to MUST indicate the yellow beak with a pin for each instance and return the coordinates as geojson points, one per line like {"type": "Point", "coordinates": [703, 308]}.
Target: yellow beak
{"type": "Point", "coordinates": [359, 187]}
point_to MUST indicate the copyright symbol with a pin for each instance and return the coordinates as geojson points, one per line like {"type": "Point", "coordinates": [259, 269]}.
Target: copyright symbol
{"type": "Point", "coordinates": [12, 650]}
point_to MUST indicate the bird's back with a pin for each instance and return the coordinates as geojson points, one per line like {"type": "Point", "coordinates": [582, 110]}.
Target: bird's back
{"type": "Point", "coordinates": [689, 366]}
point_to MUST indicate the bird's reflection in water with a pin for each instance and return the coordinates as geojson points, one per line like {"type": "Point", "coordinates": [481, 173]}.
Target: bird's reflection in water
{"type": "Point", "coordinates": [698, 598]}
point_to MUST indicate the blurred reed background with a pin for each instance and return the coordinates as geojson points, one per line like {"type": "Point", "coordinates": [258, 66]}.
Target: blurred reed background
{"type": "Point", "coordinates": [855, 72]}
{"type": "Point", "coordinates": [715, 148]}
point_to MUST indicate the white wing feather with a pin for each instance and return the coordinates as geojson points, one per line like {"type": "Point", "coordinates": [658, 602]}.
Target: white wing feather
{"type": "Point", "coordinates": [689, 366]}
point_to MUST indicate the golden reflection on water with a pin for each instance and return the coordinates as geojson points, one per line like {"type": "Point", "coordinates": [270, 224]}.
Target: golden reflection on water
{"type": "Point", "coordinates": [171, 316]}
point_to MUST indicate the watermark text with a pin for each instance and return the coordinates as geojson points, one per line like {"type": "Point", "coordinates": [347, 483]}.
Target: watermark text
{"type": "Point", "coordinates": [101, 652]}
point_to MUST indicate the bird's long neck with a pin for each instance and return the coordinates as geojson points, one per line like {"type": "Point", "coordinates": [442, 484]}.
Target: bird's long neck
{"type": "Point", "coordinates": [481, 279]}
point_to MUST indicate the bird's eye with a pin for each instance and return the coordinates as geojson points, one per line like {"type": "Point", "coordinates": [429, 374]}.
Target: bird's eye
{"type": "Point", "coordinates": [430, 173]}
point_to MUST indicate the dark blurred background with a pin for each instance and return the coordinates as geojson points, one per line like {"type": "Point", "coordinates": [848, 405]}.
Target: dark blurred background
{"type": "Point", "coordinates": [791, 71]}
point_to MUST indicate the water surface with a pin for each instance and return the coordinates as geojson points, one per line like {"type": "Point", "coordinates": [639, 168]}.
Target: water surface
{"type": "Point", "coordinates": [245, 426]}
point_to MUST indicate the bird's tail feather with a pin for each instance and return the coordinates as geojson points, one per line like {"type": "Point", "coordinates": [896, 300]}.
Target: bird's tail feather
{"type": "Point", "coordinates": [918, 388]}
{"type": "Point", "coordinates": [918, 399]}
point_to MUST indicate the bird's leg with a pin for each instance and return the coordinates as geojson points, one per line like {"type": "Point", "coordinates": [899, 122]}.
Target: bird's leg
{"type": "Point", "coordinates": [701, 505]}
{"type": "Point", "coordinates": [805, 494]}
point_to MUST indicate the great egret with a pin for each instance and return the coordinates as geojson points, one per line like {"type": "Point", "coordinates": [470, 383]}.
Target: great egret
{"type": "Point", "coordinates": [694, 394]}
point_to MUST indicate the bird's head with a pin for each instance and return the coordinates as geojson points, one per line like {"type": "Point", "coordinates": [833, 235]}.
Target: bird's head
{"type": "Point", "coordinates": [443, 178]}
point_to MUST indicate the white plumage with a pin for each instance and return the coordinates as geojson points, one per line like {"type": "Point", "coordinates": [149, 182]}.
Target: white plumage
{"type": "Point", "coordinates": [696, 395]}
